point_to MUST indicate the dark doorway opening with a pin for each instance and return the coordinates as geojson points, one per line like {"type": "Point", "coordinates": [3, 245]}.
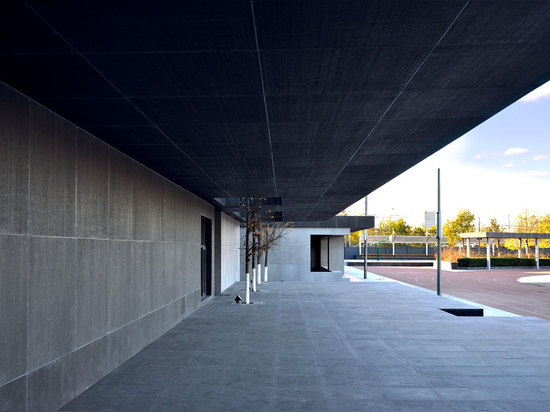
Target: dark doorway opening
{"type": "Point", "coordinates": [206, 256]}
{"type": "Point", "coordinates": [319, 253]}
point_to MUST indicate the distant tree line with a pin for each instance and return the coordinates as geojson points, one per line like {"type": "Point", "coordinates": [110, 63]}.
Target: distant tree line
{"type": "Point", "coordinates": [464, 222]}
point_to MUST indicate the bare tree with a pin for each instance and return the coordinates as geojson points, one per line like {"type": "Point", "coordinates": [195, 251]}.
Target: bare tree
{"type": "Point", "coordinates": [273, 231]}
{"type": "Point", "coordinates": [261, 234]}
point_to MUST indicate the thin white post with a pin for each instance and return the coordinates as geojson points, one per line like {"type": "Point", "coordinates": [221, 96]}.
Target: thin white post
{"type": "Point", "coordinates": [438, 233]}
{"type": "Point", "coordinates": [366, 235]}
{"type": "Point", "coordinates": [259, 272]}
{"type": "Point", "coordinates": [468, 247]}
{"type": "Point", "coordinates": [427, 250]}
{"type": "Point", "coordinates": [519, 249]}
{"type": "Point", "coordinates": [537, 253]}
{"type": "Point", "coordinates": [488, 253]}
{"type": "Point", "coordinates": [247, 300]}
{"type": "Point", "coordinates": [254, 279]}
{"type": "Point", "coordinates": [265, 275]}
{"type": "Point", "coordinates": [392, 248]}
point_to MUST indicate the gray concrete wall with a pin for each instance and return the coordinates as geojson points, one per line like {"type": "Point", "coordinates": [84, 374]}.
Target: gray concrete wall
{"type": "Point", "coordinates": [289, 259]}
{"type": "Point", "coordinates": [99, 256]}
{"type": "Point", "coordinates": [230, 262]}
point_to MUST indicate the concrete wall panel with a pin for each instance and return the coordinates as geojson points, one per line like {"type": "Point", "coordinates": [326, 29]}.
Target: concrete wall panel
{"type": "Point", "coordinates": [181, 269]}
{"type": "Point", "coordinates": [52, 174]}
{"type": "Point", "coordinates": [230, 262]}
{"type": "Point", "coordinates": [51, 299]}
{"type": "Point", "coordinates": [120, 196]}
{"type": "Point", "coordinates": [336, 253]}
{"type": "Point", "coordinates": [13, 396]}
{"type": "Point", "coordinates": [91, 362]}
{"type": "Point", "coordinates": [181, 221]}
{"type": "Point", "coordinates": [14, 252]}
{"type": "Point", "coordinates": [91, 289]}
{"type": "Point", "coordinates": [92, 195]}
{"type": "Point", "coordinates": [142, 202]}
{"type": "Point", "coordinates": [141, 278]}
{"type": "Point", "coordinates": [170, 205]}
{"type": "Point", "coordinates": [52, 385]}
{"type": "Point", "coordinates": [159, 276]}
{"type": "Point", "coordinates": [157, 208]}
{"type": "Point", "coordinates": [14, 160]}
{"type": "Point", "coordinates": [110, 261]}
{"type": "Point", "coordinates": [118, 282]}
{"type": "Point", "coordinates": [289, 259]}
{"type": "Point", "coordinates": [170, 272]}
{"type": "Point", "coordinates": [128, 282]}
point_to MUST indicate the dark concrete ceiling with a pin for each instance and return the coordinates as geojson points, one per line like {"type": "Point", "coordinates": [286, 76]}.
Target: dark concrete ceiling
{"type": "Point", "coordinates": [318, 102]}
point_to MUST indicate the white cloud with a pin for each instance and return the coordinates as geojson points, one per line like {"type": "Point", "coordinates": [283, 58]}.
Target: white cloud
{"type": "Point", "coordinates": [536, 173]}
{"type": "Point", "coordinates": [509, 164]}
{"type": "Point", "coordinates": [513, 151]}
{"type": "Point", "coordinates": [537, 94]}
{"type": "Point", "coordinates": [480, 156]}
{"type": "Point", "coordinates": [538, 158]}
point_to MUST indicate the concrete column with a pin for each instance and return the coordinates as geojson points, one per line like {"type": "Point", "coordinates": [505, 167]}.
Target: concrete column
{"type": "Point", "coordinates": [217, 250]}
{"type": "Point", "coordinates": [427, 250]}
{"type": "Point", "coordinates": [468, 247]}
{"type": "Point", "coordinates": [489, 253]}
{"type": "Point", "coordinates": [537, 253]}
{"type": "Point", "coordinates": [519, 249]}
{"type": "Point", "coordinates": [393, 248]}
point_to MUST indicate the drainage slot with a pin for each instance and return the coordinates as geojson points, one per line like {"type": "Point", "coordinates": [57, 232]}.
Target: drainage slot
{"type": "Point", "coordinates": [464, 312]}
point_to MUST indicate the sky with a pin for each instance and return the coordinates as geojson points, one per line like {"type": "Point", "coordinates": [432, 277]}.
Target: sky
{"type": "Point", "coordinates": [497, 169]}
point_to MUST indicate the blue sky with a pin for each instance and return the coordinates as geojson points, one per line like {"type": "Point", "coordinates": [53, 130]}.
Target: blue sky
{"type": "Point", "coordinates": [498, 169]}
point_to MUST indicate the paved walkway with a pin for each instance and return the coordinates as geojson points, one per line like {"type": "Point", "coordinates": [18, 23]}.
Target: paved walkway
{"type": "Point", "coordinates": [496, 288]}
{"type": "Point", "coordinates": [350, 346]}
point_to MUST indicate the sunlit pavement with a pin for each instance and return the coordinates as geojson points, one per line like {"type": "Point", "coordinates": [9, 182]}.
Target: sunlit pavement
{"type": "Point", "coordinates": [341, 346]}
{"type": "Point", "coordinates": [496, 288]}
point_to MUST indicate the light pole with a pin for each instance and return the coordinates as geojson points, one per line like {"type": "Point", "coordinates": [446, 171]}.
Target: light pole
{"type": "Point", "coordinates": [366, 245]}
{"type": "Point", "coordinates": [438, 233]}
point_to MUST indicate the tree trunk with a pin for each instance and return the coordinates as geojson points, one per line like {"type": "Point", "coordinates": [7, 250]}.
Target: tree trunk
{"type": "Point", "coordinates": [265, 265]}
{"type": "Point", "coordinates": [254, 255]}
{"type": "Point", "coordinates": [247, 243]}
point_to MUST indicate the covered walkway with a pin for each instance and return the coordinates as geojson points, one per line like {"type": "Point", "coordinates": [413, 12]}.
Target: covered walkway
{"type": "Point", "coordinates": [334, 347]}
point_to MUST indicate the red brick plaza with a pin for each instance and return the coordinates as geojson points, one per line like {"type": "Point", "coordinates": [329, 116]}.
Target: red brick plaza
{"type": "Point", "coordinates": [496, 288]}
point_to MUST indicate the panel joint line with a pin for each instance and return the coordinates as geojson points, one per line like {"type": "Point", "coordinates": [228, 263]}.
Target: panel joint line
{"type": "Point", "coordinates": [264, 98]}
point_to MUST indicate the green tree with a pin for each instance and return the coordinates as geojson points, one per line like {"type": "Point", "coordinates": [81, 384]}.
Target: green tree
{"type": "Point", "coordinates": [418, 231]}
{"type": "Point", "coordinates": [462, 223]}
{"type": "Point", "coordinates": [544, 227]}
{"type": "Point", "coordinates": [525, 223]}
{"type": "Point", "coordinates": [398, 227]}
{"type": "Point", "coordinates": [494, 227]}
{"type": "Point", "coordinates": [353, 238]}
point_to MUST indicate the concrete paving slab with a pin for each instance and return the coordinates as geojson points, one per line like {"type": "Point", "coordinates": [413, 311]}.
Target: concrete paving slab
{"type": "Point", "coordinates": [353, 346]}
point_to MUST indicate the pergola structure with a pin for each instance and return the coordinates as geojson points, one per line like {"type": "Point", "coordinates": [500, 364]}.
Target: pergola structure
{"type": "Point", "coordinates": [393, 239]}
{"type": "Point", "coordinates": [499, 235]}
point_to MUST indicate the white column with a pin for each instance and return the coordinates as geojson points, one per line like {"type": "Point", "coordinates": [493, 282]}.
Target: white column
{"type": "Point", "coordinates": [254, 279]}
{"type": "Point", "coordinates": [265, 275]}
{"type": "Point", "coordinates": [489, 253]}
{"type": "Point", "coordinates": [427, 248]}
{"type": "Point", "coordinates": [468, 247]}
{"type": "Point", "coordinates": [259, 272]}
{"type": "Point", "coordinates": [393, 248]}
{"type": "Point", "coordinates": [247, 288]}
{"type": "Point", "coordinates": [537, 254]}
{"type": "Point", "coordinates": [519, 249]}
